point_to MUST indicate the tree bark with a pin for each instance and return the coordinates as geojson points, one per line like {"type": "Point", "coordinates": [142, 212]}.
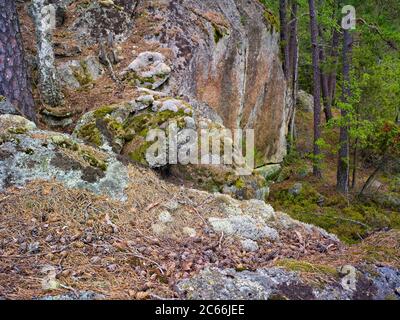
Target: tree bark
{"type": "Point", "coordinates": [294, 67]}
{"type": "Point", "coordinates": [14, 81]}
{"type": "Point", "coordinates": [355, 161]}
{"type": "Point", "coordinates": [324, 79]}
{"type": "Point", "coordinates": [284, 36]}
{"type": "Point", "coordinates": [332, 76]}
{"type": "Point", "coordinates": [317, 88]}
{"type": "Point", "coordinates": [44, 18]}
{"type": "Point", "coordinates": [343, 161]}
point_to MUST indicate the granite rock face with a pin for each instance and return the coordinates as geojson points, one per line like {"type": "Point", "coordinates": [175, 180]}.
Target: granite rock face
{"type": "Point", "coordinates": [229, 61]}
{"type": "Point", "coordinates": [98, 21]}
{"type": "Point", "coordinates": [278, 283]}
{"type": "Point", "coordinates": [29, 154]}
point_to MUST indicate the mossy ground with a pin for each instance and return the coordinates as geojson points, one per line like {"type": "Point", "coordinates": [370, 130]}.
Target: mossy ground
{"type": "Point", "coordinates": [307, 267]}
{"type": "Point", "coordinates": [88, 154]}
{"type": "Point", "coordinates": [351, 218]}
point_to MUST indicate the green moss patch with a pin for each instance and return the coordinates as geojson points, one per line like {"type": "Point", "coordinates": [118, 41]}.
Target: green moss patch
{"type": "Point", "coordinates": [351, 222]}
{"type": "Point", "coordinates": [91, 134]}
{"type": "Point", "coordinates": [306, 267]}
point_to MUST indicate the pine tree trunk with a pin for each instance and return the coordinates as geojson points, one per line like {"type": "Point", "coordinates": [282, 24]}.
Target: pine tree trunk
{"type": "Point", "coordinates": [284, 37]}
{"type": "Point", "coordinates": [355, 162]}
{"type": "Point", "coordinates": [324, 80]}
{"type": "Point", "coordinates": [343, 161]}
{"type": "Point", "coordinates": [294, 67]}
{"type": "Point", "coordinates": [332, 76]}
{"type": "Point", "coordinates": [317, 87]}
{"type": "Point", "coordinates": [14, 82]}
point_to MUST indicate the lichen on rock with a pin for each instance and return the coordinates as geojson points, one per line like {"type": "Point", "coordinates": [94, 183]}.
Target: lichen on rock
{"type": "Point", "coordinates": [42, 155]}
{"type": "Point", "coordinates": [148, 70]}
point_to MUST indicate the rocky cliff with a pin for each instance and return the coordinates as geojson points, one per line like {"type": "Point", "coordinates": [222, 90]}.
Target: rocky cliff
{"type": "Point", "coordinates": [223, 58]}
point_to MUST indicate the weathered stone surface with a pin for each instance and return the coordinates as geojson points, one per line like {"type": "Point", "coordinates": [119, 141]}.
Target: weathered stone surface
{"type": "Point", "coordinates": [269, 172]}
{"type": "Point", "coordinates": [75, 74]}
{"type": "Point", "coordinates": [249, 245]}
{"type": "Point", "coordinates": [165, 217]}
{"type": "Point", "coordinates": [230, 61]}
{"type": "Point", "coordinates": [277, 283]}
{"type": "Point", "coordinates": [7, 107]}
{"type": "Point", "coordinates": [97, 23]}
{"type": "Point", "coordinates": [30, 154]}
{"type": "Point", "coordinates": [245, 227]}
{"type": "Point", "coordinates": [14, 124]}
{"type": "Point", "coordinates": [296, 189]}
{"type": "Point", "coordinates": [124, 128]}
{"type": "Point", "coordinates": [305, 101]}
{"type": "Point", "coordinates": [78, 295]}
{"type": "Point", "coordinates": [148, 70]}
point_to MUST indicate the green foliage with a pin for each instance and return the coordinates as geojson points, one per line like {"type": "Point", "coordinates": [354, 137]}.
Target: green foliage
{"type": "Point", "coordinates": [350, 221]}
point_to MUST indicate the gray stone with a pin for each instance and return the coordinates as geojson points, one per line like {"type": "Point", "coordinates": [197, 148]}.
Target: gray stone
{"type": "Point", "coordinates": [146, 100]}
{"type": "Point", "coordinates": [269, 171]}
{"type": "Point", "coordinates": [296, 189]}
{"type": "Point", "coordinates": [74, 74]}
{"type": "Point", "coordinates": [165, 217]}
{"type": "Point", "coordinates": [277, 283]}
{"type": "Point", "coordinates": [15, 124]}
{"type": "Point", "coordinates": [7, 107]}
{"type": "Point", "coordinates": [249, 245]}
{"type": "Point", "coordinates": [189, 232]}
{"type": "Point", "coordinates": [305, 101]}
{"type": "Point", "coordinates": [258, 209]}
{"type": "Point", "coordinates": [245, 227]}
{"type": "Point", "coordinates": [148, 65]}
{"type": "Point", "coordinates": [30, 154]}
{"type": "Point", "coordinates": [230, 62]}
{"type": "Point", "coordinates": [76, 295]}
{"type": "Point", "coordinates": [98, 23]}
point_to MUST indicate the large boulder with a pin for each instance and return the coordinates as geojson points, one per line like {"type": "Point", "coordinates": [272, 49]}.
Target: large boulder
{"type": "Point", "coordinates": [230, 61]}
{"type": "Point", "coordinates": [124, 128]}
{"type": "Point", "coordinates": [103, 19]}
{"type": "Point", "coordinates": [28, 154]}
{"type": "Point", "coordinates": [305, 101]}
{"type": "Point", "coordinates": [282, 284]}
{"type": "Point", "coordinates": [75, 74]}
{"type": "Point", "coordinates": [148, 69]}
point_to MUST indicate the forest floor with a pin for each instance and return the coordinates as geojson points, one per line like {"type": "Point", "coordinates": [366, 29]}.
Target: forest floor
{"type": "Point", "coordinates": [58, 240]}
{"type": "Point", "coordinates": [62, 241]}
{"type": "Point", "coordinates": [352, 218]}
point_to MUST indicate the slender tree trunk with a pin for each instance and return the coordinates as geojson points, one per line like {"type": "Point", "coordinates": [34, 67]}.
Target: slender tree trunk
{"type": "Point", "coordinates": [324, 79]}
{"type": "Point", "coordinates": [294, 67]}
{"type": "Point", "coordinates": [355, 161]}
{"type": "Point", "coordinates": [284, 36]}
{"type": "Point", "coordinates": [332, 76]}
{"type": "Point", "coordinates": [343, 161]}
{"type": "Point", "coordinates": [14, 82]}
{"type": "Point", "coordinates": [317, 88]}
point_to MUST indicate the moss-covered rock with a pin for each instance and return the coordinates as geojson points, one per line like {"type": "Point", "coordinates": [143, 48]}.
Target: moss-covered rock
{"type": "Point", "coordinates": [148, 70]}
{"type": "Point", "coordinates": [125, 127]}
{"type": "Point", "coordinates": [32, 154]}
